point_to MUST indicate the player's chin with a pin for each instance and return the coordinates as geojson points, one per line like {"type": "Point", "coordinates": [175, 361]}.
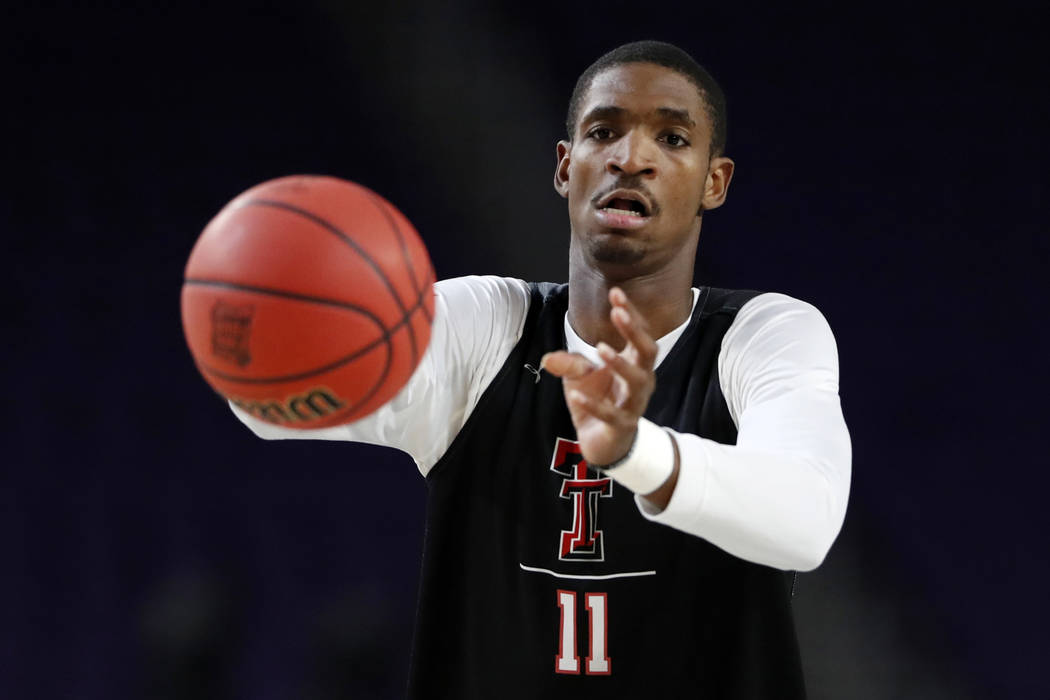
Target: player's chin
{"type": "Point", "coordinates": [613, 247]}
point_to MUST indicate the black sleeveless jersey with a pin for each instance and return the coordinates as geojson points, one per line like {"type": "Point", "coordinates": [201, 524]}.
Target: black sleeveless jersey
{"type": "Point", "coordinates": [541, 579]}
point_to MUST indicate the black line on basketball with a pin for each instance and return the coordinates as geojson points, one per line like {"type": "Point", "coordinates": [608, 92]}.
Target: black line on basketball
{"type": "Point", "coordinates": [350, 242]}
{"type": "Point", "coordinates": [199, 281]}
{"type": "Point", "coordinates": [385, 337]}
{"type": "Point", "coordinates": [380, 382]}
{"type": "Point", "coordinates": [294, 377]}
{"type": "Point", "coordinates": [420, 305]}
{"type": "Point", "coordinates": [378, 204]}
{"type": "Point", "coordinates": [375, 387]}
{"type": "Point", "coordinates": [430, 280]}
{"type": "Point", "coordinates": [382, 207]}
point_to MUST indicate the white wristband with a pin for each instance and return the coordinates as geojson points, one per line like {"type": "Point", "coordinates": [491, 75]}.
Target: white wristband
{"type": "Point", "coordinates": [650, 461]}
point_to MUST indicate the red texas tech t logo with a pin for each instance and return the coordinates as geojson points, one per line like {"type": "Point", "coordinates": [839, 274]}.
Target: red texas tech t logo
{"type": "Point", "coordinates": [584, 541]}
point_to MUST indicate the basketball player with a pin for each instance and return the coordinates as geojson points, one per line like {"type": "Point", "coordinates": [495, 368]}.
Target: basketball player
{"type": "Point", "coordinates": [622, 471]}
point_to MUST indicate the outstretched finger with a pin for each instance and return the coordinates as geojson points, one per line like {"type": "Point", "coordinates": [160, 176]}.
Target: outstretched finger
{"type": "Point", "coordinates": [636, 377]}
{"type": "Point", "coordinates": [618, 297]}
{"type": "Point", "coordinates": [633, 327]}
{"type": "Point", "coordinates": [567, 365]}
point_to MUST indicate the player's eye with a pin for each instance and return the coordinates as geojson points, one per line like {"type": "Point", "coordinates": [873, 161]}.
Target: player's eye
{"type": "Point", "coordinates": [600, 133]}
{"type": "Point", "coordinates": [675, 140]}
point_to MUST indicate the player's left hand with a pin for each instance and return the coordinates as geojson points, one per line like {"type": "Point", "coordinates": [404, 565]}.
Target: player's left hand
{"type": "Point", "coordinates": [606, 402]}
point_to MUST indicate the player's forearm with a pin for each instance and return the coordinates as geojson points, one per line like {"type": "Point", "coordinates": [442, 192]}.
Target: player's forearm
{"type": "Point", "coordinates": [772, 508]}
{"type": "Point", "coordinates": [777, 497]}
{"type": "Point", "coordinates": [405, 423]}
{"type": "Point", "coordinates": [477, 322]}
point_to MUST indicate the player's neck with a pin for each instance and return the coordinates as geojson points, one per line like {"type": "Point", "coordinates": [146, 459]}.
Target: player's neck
{"type": "Point", "coordinates": [664, 299]}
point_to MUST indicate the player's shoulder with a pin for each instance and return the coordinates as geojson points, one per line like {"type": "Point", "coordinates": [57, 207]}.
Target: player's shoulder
{"type": "Point", "coordinates": [481, 311]}
{"type": "Point", "coordinates": [780, 307]}
{"type": "Point", "coordinates": [483, 290]}
{"type": "Point", "coordinates": [758, 302]}
{"type": "Point", "coordinates": [774, 318]}
{"type": "Point", "coordinates": [750, 302]}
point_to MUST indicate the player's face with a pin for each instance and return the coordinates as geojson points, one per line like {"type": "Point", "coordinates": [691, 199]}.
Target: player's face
{"type": "Point", "coordinates": [638, 172]}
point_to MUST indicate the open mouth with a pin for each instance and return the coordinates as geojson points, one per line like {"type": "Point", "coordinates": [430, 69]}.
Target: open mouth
{"type": "Point", "coordinates": [626, 206]}
{"type": "Point", "coordinates": [625, 203]}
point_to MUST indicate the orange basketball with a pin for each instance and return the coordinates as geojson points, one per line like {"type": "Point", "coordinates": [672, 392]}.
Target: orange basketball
{"type": "Point", "coordinates": [307, 301]}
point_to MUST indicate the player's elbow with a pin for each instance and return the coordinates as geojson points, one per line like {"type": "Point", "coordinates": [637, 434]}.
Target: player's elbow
{"type": "Point", "coordinates": [813, 542]}
{"type": "Point", "coordinates": [809, 556]}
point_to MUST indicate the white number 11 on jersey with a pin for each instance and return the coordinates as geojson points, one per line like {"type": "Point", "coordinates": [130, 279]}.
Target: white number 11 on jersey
{"type": "Point", "coordinates": [567, 660]}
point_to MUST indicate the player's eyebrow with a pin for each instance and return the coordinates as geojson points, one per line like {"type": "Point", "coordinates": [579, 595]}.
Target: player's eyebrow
{"type": "Point", "coordinates": [678, 116]}
{"type": "Point", "coordinates": [600, 112]}
{"type": "Point", "coordinates": [613, 113]}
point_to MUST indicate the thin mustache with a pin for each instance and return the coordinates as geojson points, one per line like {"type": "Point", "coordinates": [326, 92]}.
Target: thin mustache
{"type": "Point", "coordinates": [629, 183]}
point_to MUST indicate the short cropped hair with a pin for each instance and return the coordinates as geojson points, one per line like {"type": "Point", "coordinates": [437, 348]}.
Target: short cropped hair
{"type": "Point", "coordinates": [662, 54]}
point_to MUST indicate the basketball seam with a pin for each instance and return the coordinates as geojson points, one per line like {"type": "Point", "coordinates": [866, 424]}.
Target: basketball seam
{"type": "Point", "coordinates": [379, 382]}
{"type": "Point", "coordinates": [295, 296]}
{"type": "Point", "coordinates": [331, 228]}
{"type": "Point", "coordinates": [386, 333]}
{"type": "Point", "coordinates": [405, 257]}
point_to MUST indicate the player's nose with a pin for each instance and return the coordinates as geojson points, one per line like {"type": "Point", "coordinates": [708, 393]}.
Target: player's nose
{"type": "Point", "coordinates": [632, 154]}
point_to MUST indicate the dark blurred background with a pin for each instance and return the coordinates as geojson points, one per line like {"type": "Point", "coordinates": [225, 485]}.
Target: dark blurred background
{"type": "Point", "coordinates": [891, 169]}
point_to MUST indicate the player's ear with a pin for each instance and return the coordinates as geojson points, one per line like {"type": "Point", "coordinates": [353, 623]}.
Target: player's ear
{"type": "Point", "coordinates": [716, 186]}
{"type": "Point", "coordinates": [561, 167]}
